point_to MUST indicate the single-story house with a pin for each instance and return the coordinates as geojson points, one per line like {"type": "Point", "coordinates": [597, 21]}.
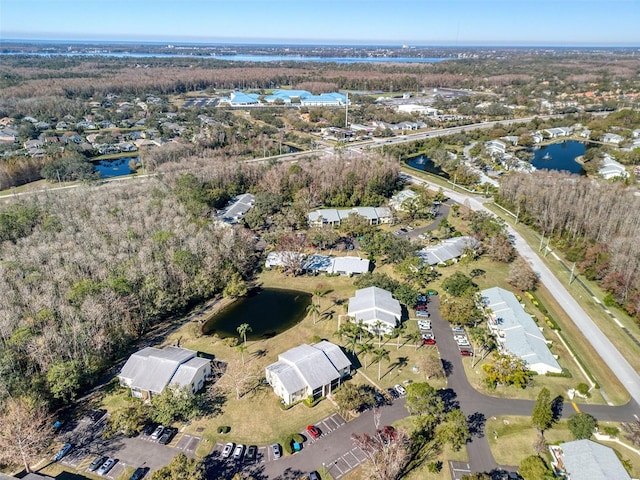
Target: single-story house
{"type": "Point", "coordinates": [495, 147]}
{"type": "Point", "coordinates": [613, 138]}
{"type": "Point", "coordinates": [398, 200]}
{"type": "Point", "coordinates": [308, 371]}
{"type": "Point", "coordinates": [586, 460]}
{"type": "Point", "coordinates": [150, 370]}
{"type": "Point", "coordinates": [376, 309]}
{"type": "Point", "coordinates": [335, 265]}
{"type": "Point", "coordinates": [558, 132]}
{"type": "Point", "coordinates": [237, 208]}
{"type": "Point", "coordinates": [284, 258]}
{"type": "Point", "coordinates": [446, 250]}
{"type": "Point", "coordinates": [516, 332]}
{"type": "Point", "coordinates": [610, 168]}
{"type": "Point", "coordinates": [332, 216]}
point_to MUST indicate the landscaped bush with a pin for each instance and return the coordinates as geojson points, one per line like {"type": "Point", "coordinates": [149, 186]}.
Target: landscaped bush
{"type": "Point", "coordinates": [288, 443]}
{"type": "Point", "coordinates": [310, 402]}
{"type": "Point", "coordinates": [611, 431]}
{"type": "Point", "coordinates": [583, 389]}
{"type": "Point", "coordinates": [564, 373]}
{"type": "Point", "coordinates": [224, 429]}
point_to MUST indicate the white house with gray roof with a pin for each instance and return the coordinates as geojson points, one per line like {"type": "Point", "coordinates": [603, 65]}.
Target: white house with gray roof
{"type": "Point", "coordinates": [376, 309]}
{"type": "Point", "coordinates": [150, 370]}
{"type": "Point", "coordinates": [237, 208]}
{"type": "Point", "coordinates": [446, 250]}
{"type": "Point", "coordinates": [587, 460]}
{"type": "Point", "coordinates": [308, 371]}
{"type": "Point", "coordinates": [516, 332]}
{"type": "Point", "coordinates": [333, 216]}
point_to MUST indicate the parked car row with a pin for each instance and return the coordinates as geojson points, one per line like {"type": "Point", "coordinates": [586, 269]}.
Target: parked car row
{"type": "Point", "coordinates": [460, 336]}
{"type": "Point", "coordinates": [248, 454]}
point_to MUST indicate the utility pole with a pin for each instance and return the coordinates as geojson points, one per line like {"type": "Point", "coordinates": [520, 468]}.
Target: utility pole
{"type": "Point", "coordinates": [572, 276]}
{"type": "Point", "coordinates": [541, 240]}
{"type": "Point", "coordinates": [346, 111]}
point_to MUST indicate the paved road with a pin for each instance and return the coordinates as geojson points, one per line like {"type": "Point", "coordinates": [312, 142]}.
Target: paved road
{"type": "Point", "coordinates": [601, 344]}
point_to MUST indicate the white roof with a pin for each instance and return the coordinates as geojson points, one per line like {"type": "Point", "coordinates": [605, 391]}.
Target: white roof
{"type": "Point", "coordinates": [187, 371]}
{"type": "Point", "coordinates": [373, 303]}
{"type": "Point", "coordinates": [588, 460]}
{"type": "Point", "coordinates": [236, 209]}
{"type": "Point", "coordinates": [445, 250]}
{"type": "Point", "coordinates": [151, 369]}
{"type": "Point", "coordinates": [333, 215]}
{"type": "Point", "coordinates": [350, 265]}
{"type": "Point", "coordinates": [279, 259]}
{"type": "Point", "coordinates": [311, 366]}
{"type": "Point", "coordinates": [523, 338]}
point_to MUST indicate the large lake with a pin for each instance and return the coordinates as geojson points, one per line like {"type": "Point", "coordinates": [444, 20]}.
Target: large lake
{"type": "Point", "coordinates": [560, 156]}
{"type": "Point", "coordinates": [268, 311]}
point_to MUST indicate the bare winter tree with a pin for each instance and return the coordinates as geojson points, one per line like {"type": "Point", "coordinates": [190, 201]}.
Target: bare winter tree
{"type": "Point", "coordinates": [522, 276]}
{"type": "Point", "coordinates": [387, 454]}
{"type": "Point", "coordinates": [25, 431]}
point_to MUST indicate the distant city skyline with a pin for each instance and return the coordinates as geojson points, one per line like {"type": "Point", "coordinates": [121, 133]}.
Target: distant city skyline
{"type": "Point", "coordinates": [377, 22]}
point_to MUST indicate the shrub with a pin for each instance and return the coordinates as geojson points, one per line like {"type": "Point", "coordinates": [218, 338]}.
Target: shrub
{"type": "Point", "coordinates": [582, 388]}
{"type": "Point", "coordinates": [310, 402]}
{"type": "Point", "coordinates": [224, 429]}
{"type": "Point", "coordinates": [288, 444]}
{"type": "Point", "coordinates": [611, 431]}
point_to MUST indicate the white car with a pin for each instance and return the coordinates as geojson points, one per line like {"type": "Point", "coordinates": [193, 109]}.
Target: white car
{"type": "Point", "coordinates": [400, 389]}
{"type": "Point", "coordinates": [228, 448]}
{"type": "Point", "coordinates": [424, 325]}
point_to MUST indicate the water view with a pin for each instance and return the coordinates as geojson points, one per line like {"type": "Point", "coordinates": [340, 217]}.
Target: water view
{"type": "Point", "coordinates": [116, 167]}
{"type": "Point", "coordinates": [560, 156]}
{"type": "Point", "coordinates": [268, 311]}
{"type": "Point", "coordinates": [424, 163]}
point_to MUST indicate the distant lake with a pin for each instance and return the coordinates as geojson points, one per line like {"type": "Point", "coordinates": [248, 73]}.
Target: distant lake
{"type": "Point", "coordinates": [114, 168]}
{"type": "Point", "coordinates": [424, 163]}
{"type": "Point", "coordinates": [237, 57]}
{"type": "Point", "coordinates": [268, 311]}
{"type": "Point", "coordinates": [560, 156]}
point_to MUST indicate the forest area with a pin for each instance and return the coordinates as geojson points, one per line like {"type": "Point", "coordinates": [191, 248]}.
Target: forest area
{"type": "Point", "coordinates": [594, 223]}
{"type": "Point", "coordinates": [86, 271]}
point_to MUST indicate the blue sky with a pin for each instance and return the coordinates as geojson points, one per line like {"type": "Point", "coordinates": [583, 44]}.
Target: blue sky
{"type": "Point", "coordinates": [412, 22]}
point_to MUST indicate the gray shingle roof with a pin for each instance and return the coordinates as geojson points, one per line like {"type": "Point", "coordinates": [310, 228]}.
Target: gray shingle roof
{"type": "Point", "coordinates": [587, 460]}
{"type": "Point", "coordinates": [152, 369]}
{"type": "Point", "coordinates": [523, 338]}
{"type": "Point", "coordinates": [186, 371]}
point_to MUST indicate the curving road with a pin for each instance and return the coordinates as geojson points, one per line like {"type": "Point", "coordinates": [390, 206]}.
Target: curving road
{"type": "Point", "coordinates": [598, 340]}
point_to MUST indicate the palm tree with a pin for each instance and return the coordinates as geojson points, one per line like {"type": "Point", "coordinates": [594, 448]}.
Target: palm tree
{"type": "Point", "coordinates": [242, 331]}
{"type": "Point", "coordinates": [397, 331]}
{"type": "Point", "coordinates": [415, 338]}
{"type": "Point", "coordinates": [378, 329]}
{"type": "Point", "coordinates": [315, 309]}
{"type": "Point", "coordinates": [242, 348]}
{"type": "Point", "coordinates": [380, 354]}
{"type": "Point", "coordinates": [366, 349]}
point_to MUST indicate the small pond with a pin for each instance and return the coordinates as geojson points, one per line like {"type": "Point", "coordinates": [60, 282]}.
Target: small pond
{"type": "Point", "coordinates": [116, 167]}
{"type": "Point", "coordinates": [424, 163]}
{"type": "Point", "coordinates": [268, 311]}
{"type": "Point", "coordinates": [560, 156]}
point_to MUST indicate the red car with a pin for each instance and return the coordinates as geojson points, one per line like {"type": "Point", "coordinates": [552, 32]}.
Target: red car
{"type": "Point", "coordinates": [313, 431]}
{"type": "Point", "coordinates": [466, 353]}
{"type": "Point", "coordinates": [428, 341]}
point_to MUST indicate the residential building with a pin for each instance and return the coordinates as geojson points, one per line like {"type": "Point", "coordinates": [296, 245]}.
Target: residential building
{"type": "Point", "coordinates": [612, 138]}
{"type": "Point", "coordinates": [308, 371]}
{"type": "Point", "coordinates": [148, 371]}
{"type": "Point", "coordinates": [398, 200]}
{"type": "Point", "coordinates": [586, 460]}
{"type": "Point", "coordinates": [332, 216]}
{"type": "Point", "coordinates": [237, 208]}
{"type": "Point", "coordinates": [375, 309]}
{"type": "Point", "coordinates": [446, 250]}
{"type": "Point", "coordinates": [336, 265]}
{"type": "Point", "coordinates": [558, 132]}
{"type": "Point", "coordinates": [7, 137]}
{"type": "Point", "coordinates": [610, 168]}
{"type": "Point", "coordinates": [284, 259]}
{"type": "Point", "coordinates": [495, 147]}
{"type": "Point", "coordinates": [516, 332]}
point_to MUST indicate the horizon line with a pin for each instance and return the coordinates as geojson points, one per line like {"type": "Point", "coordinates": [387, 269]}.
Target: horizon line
{"type": "Point", "coordinates": [292, 42]}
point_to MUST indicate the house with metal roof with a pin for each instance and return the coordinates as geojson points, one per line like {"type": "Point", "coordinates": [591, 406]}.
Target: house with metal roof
{"type": "Point", "coordinates": [375, 309]}
{"type": "Point", "coordinates": [610, 168]}
{"type": "Point", "coordinates": [586, 460]}
{"type": "Point", "coordinates": [237, 208]}
{"type": "Point", "coordinates": [240, 99]}
{"type": "Point", "coordinates": [333, 216]}
{"type": "Point", "coordinates": [150, 370]}
{"type": "Point", "coordinates": [333, 99]}
{"type": "Point", "coordinates": [285, 259]}
{"type": "Point", "coordinates": [308, 371]}
{"type": "Point", "coordinates": [398, 200]}
{"type": "Point", "coordinates": [446, 250]}
{"type": "Point", "coordinates": [349, 265]}
{"type": "Point", "coordinates": [516, 332]}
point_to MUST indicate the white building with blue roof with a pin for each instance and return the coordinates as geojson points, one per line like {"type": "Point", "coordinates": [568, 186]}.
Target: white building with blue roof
{"type": "Point", "coordinates": [308, 371]}
{"type": "Point", "coordinates": [516, 332]}
{"type": "Point", "coordinates": [240, 99]}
